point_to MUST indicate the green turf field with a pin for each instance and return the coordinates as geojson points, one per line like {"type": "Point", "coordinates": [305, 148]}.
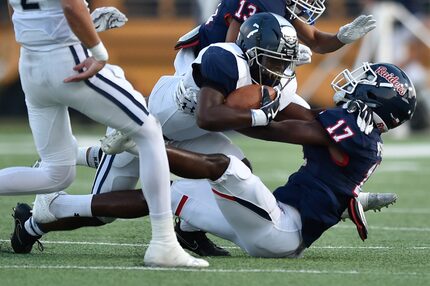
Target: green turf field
{"type": "Point", "coordinates": [397, 251]}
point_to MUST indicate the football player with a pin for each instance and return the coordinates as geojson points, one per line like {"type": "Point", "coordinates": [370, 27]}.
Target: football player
{"type": "Point", "coordinates": [224, 25]}
{"type": "Point", "coordinates": [333, 144]}
{"type": "Point", "coordinates": [63, 64]}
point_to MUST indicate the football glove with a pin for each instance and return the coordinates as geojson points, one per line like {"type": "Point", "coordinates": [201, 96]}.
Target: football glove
{"type": "Point", "coordinates": [305, 55]}
{"type": "Point", "coordinates": [268, 106]}
{"type": "Point", "coordinates": [116, 142]}
{"type": "Point", "coordinates": [105, 18]}
{"type": "Point", "coordinates": [364, 114]}
{"type": "Point", "coordinates": [356, 29]}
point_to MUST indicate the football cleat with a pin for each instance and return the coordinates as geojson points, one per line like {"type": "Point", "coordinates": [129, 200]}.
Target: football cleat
{"type": "Point", "coordinates": [116, 142]}
{"type": "Point", "coordinates": [374, 201]}
{"type": "Point", "coordinates": [41, 212]}
{"type": "Point", "coordinates": [198, 242]}
{"type": "Point", "coordinates": [21, 240]}
{"type": "Point", "coordinates": [170, 255]}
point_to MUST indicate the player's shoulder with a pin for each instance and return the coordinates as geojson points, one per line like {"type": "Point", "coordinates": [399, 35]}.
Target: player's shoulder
{"type": "Point", "coordinates": [224, 56]}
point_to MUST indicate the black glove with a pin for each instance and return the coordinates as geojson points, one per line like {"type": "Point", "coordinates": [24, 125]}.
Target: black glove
{"type": "Point", "coordinates": [364, 115]}
{"type": "Point", "coordinates": [268, 106]}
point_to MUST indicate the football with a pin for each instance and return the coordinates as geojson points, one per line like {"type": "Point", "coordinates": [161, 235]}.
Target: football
{"type": "Point", "coordinates": [247, 97]}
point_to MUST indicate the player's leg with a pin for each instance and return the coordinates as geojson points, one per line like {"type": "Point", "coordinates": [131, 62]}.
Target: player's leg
{"type": "Point", "coordinates": [50, 125]}
{"type": "Point", "coordinates": [250, 208]}
{"type": "Point", "coordinates": [109, 99]}
{"type": "Point", "coordinates": [119, 172]}
{"type": "Point", "coordinates": [194, 203]}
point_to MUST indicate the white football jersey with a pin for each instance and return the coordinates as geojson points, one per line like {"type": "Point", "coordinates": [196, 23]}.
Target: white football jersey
{"type": "Point", "coordinates": [40, 25]}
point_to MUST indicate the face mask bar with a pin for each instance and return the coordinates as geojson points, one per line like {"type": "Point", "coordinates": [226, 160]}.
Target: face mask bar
{"type": "Point", "coordinates": [307, 11]}
{"type": "Point", "coordinates": [286, 63]}
{"type": "Point", "coordinates": [347, 81]}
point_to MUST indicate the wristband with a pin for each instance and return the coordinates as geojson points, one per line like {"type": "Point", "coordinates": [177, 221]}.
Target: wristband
{"type": "Point", "coordinates": [99, 52]}
{"type": "Point", "coordinates": [259, 118]}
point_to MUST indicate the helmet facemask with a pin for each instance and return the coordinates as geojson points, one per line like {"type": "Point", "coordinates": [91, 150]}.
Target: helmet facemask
{"type": "Point", "coordinates": [268, 67]}
{"type": "Point", "coordinates": [307, 11]}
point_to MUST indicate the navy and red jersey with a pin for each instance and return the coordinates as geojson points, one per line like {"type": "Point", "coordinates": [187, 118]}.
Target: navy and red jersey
{"type": "Point", "coordinates": [215, 28]}
{"type": "Point", "coordinates": [322, 187]}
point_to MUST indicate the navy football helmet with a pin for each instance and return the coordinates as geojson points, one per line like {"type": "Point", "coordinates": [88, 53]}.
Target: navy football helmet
{"type": "Point", "coordinates": [270, 44]}
{"type": "Point", "coordinates": [307, 11]}
{"type": "Point", "coordinates": [383, 87]}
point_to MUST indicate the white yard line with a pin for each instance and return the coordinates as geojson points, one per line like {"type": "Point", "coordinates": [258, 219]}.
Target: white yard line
{"type": "Point", "coordinates": [209, 270]}
{"type": "Point", "coordinates": [228, 247]}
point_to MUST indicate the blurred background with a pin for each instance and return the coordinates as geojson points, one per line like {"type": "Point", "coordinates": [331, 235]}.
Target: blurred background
{"type": "Point", "coordinates": [144, 47]}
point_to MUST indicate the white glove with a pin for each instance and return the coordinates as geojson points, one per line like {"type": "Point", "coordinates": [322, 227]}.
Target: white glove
{"type": "Point", "coordinates": [305, 55]}
{"type": "Point", "coordinates": [105, 18]}
{"type": "Point", "coordinates": [364, 114]}
{"type": "Point", "coordinates": [115, 142]}
{"type": "Point", "coordinates": [356, 29]}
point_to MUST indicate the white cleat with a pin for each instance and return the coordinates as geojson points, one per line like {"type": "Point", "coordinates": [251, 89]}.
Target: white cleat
{"type": "Point", "coordinates": [41, 212]}
{"type": "Point", "coordinates": [116, 142]}
{"type": "Point", "coordinates": [170, 255]}
{"type": "Point", "coordinates": [374, 201]}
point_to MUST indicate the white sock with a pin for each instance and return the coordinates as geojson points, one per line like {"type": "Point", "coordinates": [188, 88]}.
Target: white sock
{"type": "Point", "coordinates": [33, 228]}
{"type": "Point", "coordinates": [185, 226]}
{"type": "Point", "coordinates": [162, 228]}
{"type": "Point", "coordinates": [89, 156]}
{"type": "Point", "coordinates": [71, 206]}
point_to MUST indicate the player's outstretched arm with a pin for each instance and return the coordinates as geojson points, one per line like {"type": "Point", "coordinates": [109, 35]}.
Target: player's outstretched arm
{"type": "Point", "coordinates": [291, 131]}
{"type": "Point", "coordinates": [80, 22]}
{"type": "Point", "coordinates": [322, 42]}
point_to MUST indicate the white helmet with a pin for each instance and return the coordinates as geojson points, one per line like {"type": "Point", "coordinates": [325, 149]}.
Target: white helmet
{"type": "Point", "coordinates": [307, 11]}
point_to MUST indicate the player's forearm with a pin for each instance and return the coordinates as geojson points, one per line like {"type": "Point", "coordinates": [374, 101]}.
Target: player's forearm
{"type": "Point", "coordinates": [80, 22]}
{"type": "Point", "coordinates": [326, 43]}
{"type": "Point", "coordinates": [318, 41]}
{"type": "Point", "coordinates": [290, 131]}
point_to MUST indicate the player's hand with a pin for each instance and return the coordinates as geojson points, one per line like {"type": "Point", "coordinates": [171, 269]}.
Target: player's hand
{"type": "Point", "coordinates": [105, 18]}
{"type": "Point", "coordinates": [356, 29]}
{"type": "Point", "coordinates": [305, 55]}
{"type": "Point", "coordinates": [268, 106]}
{"type": "Point", "coordinates": [364, 115]}
{"type": "Point", "coordinates": [88, 68]}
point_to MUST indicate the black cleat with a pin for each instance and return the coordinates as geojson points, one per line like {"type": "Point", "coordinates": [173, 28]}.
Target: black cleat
{"type": "Point", "coordinates": [21, 240]}
{"type": "Point", "coordinates": [198, 242]}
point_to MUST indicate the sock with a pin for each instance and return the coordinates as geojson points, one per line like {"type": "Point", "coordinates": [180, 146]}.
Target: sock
{"type": "Point", "coordinates": [185, 226]}
{"type": "Point", "coordinates": [71, 206]}
{"type": "Point", "coordinates": [162, 230]}
{"type": "Point", "coordinates": [33, 228]}
{"type": "Point", "coordinates": [89, 156]}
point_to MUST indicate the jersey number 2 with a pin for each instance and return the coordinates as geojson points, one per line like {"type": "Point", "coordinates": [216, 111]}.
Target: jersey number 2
{"type": "Point", "coordinates": [29, 6]}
